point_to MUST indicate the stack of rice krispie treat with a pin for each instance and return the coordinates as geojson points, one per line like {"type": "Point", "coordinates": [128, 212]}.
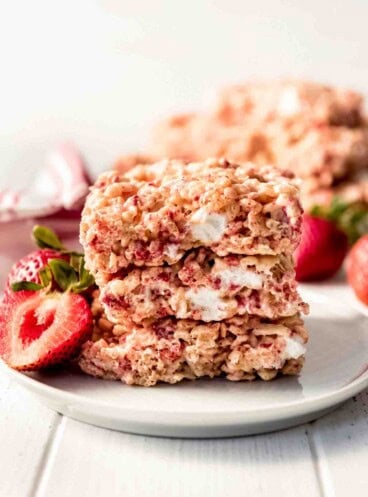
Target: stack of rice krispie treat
{"type": "Point", "coordinates": [318, 131]}
{"type": "Point", "coordinates": [195, 273]}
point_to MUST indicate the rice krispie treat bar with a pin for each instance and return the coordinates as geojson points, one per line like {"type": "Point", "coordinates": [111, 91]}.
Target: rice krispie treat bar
{"type": "Point", "coordinates": [290, 99]}
{"type": "Point", "coordinates": [320, 155]}
{"type": "Point", "coordinates": [319, 132]}
{"type": "Point", "coordinates": [126, 162]}
{"type": "Point", "coordinates": [171, 350]}
{"type": "Point", "coordinates": [203, 286]}
{"type": "Point", "coordinates": [155, 213]}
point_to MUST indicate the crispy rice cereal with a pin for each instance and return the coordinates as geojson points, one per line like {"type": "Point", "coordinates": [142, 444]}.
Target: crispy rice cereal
{"type": "Point", "coordinates": [203, 286]}
{"type": "Point", "coordinates": [318, 132]}
{"type": "Point", "coordinates": [289, 99]}
{"type": "Point", "coordinates": [126, 162]}
{"type": "Point", "coordinates": [154, 214]}
{"type": "Point", "coordinates": [170, 350]}
{"type": "Point", "coordinates": [321, 155]}
{"type": "Point", "coordinates": [352, 190]}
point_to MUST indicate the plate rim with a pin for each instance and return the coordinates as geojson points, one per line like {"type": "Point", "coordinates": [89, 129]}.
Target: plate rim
{"type": "Point", "coordinates": [252, 415]}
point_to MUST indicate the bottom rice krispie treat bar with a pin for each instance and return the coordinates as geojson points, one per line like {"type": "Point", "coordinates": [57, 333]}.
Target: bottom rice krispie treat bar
{"type": "Point", "coordinates": [170, 350]}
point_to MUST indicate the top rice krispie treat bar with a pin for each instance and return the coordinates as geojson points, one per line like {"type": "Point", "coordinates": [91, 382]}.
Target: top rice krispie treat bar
{"type": "Point", "coordinates": [155, 213]}
{"type": "Point", "coordinates": [126, 162]}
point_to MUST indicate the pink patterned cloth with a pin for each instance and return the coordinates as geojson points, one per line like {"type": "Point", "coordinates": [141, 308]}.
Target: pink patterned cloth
{"type": "Point", "coordinates": [54, 198]}
{"type": "Point", "coordinates": [62, 183]}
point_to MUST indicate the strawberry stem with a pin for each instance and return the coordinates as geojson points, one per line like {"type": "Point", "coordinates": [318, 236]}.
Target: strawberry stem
{"type": "Point", "coordinates": [25, 285]}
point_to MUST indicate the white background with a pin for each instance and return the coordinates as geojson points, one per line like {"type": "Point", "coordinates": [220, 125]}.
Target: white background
{"type": "Point", "coordinates": [101, 72]}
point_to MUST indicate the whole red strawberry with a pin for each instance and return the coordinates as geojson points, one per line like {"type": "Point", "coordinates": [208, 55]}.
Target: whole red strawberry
{"type": "Point", "coordinates": [28, 268]}
{"type": "Point", "coordinates": [357, 269]}
{"type": "Point", "coordinates": [321, 251]}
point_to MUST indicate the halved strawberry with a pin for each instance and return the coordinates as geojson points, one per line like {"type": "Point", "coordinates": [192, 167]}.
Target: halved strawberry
{"type": "Point", "coordinates": [39, 329]}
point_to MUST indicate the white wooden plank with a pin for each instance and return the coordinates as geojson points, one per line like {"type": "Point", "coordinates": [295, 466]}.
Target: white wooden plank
{"type": "Point", "coordinates": [25, 429]}
{"type": "Point", "coordinates": [341, 445]}
{"type": "Point", "coordinates": [93, 461]}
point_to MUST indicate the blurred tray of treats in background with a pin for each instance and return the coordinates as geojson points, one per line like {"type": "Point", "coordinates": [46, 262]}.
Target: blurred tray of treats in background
{"type": "Point", "coordinates": [320, 132]}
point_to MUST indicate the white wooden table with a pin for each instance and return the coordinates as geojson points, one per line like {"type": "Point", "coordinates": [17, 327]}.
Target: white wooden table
{"type": "Point", "coordinates": [44, 454]}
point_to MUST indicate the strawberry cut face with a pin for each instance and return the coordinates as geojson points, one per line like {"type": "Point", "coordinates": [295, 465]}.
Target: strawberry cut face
{"type": "Point", "coordinates": [34, 323]}
{"type": "Point", "coordinates": [39, 330]}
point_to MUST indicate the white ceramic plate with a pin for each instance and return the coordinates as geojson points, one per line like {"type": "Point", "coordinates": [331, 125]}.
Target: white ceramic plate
{"type": "Point", "coordinates": [336, 369]}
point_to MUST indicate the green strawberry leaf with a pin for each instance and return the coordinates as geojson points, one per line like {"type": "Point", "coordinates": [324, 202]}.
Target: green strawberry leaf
{"type": "Point", "coordinates": [46, 238]}
{"type": "Point", "coordinates": [45, 275]}
{"type": "Point", "coordinates": [350, 218]}
{"type": "Point", "coordinates": [82, 286]}
{"type": "Point", "coordinates": [85, 279]}
{"type": "Point", "coordinates": [63, 273]}
{"type": "Point", "coordinates": [25, 285]}
{"type": "Point", "coordinates": [75, 261]}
